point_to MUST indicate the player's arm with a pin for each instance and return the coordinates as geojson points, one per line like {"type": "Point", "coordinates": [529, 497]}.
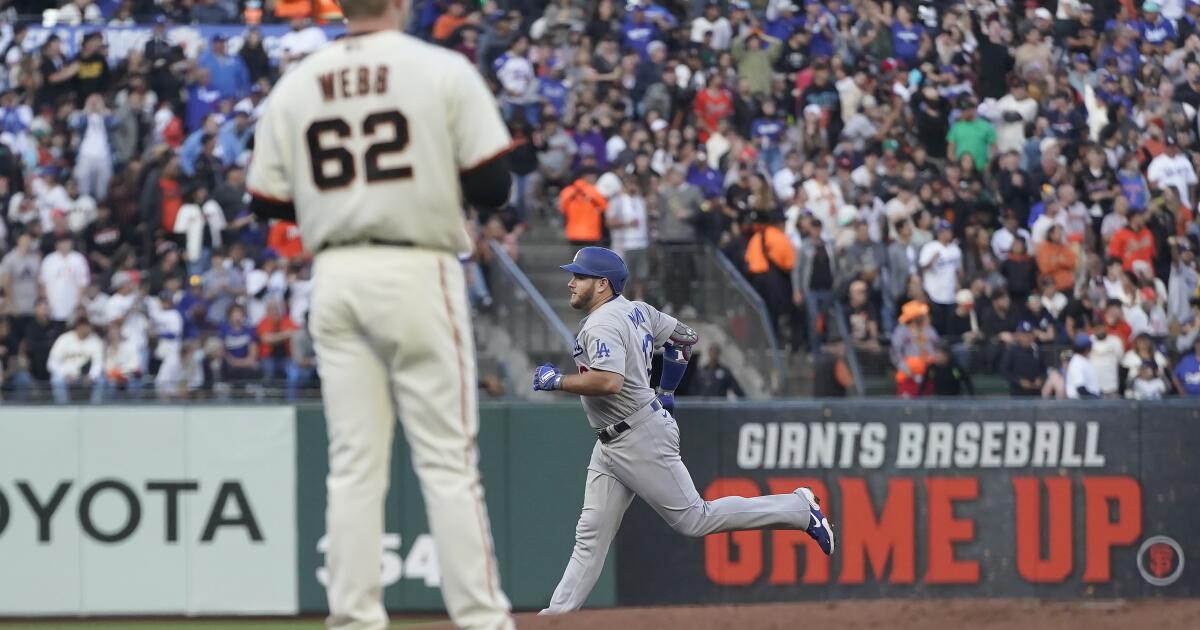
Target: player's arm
{"type": "Point", "coordinates": [488, 184]}
{"type": "Point", "coordinates": [676, 353]}
{"type": "Point", "coordinates": [593, 383]}
{"type": "Point", "coordinates": [604, 355]}
{"type": "Point", "coordinates": [480, 136]}
{"type": "Point", "coordinates": [269, 177]}
{"type": "Point", "coordinates": [590, 383]}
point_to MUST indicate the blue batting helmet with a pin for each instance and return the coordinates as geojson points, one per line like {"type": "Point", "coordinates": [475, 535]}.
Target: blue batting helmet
{"type": "Point", "coordinates": [600, 263]}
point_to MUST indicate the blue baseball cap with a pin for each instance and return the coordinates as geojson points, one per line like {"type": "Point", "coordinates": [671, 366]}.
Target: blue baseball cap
{"type": "Point", "coordinates": [1083, 342]}
{"type": "Point", "coordinates": [942, 224]}
{"type": "Point", "coordinates": [1025, 326]}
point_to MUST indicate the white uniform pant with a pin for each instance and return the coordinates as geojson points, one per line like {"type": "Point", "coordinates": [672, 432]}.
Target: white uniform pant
{"type": "Point", "coordinates": [392, 335]}
{"type": "Point", "coordinates": [644, 461]}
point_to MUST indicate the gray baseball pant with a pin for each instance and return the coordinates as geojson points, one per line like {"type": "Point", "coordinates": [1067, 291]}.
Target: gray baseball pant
{"type": "Point", "coordinates": [644, 461]}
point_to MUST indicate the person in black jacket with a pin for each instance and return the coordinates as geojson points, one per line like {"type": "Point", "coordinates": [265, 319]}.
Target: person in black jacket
{"type": "Point", "coordinates": [946, 377]}
{"type": "Point", "coordinates": [1023, 365]}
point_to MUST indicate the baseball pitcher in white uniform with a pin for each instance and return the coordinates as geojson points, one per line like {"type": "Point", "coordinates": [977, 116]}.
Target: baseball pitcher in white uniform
{"type": "Point", "coordinates": [370, 144]}
{"type": "Point", "coordinates": [637, 440]}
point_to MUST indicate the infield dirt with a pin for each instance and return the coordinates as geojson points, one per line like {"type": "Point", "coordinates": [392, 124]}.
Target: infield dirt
{"type": "Point", "coordinates": [927, 614]}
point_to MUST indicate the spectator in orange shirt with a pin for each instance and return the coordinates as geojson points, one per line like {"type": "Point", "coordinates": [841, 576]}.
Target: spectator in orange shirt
{"type": "Point", "coordinates": [584, 207]}
{"type": "Point", "coordinates": [448, 22]}
{"type": "Point", "coordinates": [275, 333]}
{"type": "Point", "coordinates": [1133, 242]}
{"type": "Point", "coordinates": [284, 238]}
{"type": "Point", "coordinates": [770, 258]}
{"type": "Point", "coordinates": [1056, 259]}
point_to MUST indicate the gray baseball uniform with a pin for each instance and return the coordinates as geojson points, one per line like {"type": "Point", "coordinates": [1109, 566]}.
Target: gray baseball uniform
{"type": "Point", "coordinates": [620, 336]}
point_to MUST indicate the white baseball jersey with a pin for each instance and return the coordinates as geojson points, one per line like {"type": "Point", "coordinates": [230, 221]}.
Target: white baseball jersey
{"type": "Point", "coordinates": [620, 337]}
{"type": "Point", "coordinates": [362, 154]}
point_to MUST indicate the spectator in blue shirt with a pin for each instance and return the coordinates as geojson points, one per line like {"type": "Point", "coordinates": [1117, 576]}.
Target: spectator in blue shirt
{"type": "Point", "coordinates": [1129, 60]}
{"type": "Point", "coordinates": [1156, 32]}
{"type": "Point", "coordinates": [784, 23]}
{"type": "Point", "coordinates": [709, 180]}
{"type": "Point", "coordinates": [820, 25]}
{"type": "Point", "coordinates": [203, 99]}
{"type": "Point", "coordinates": [909, 40]}
{"type": "Point", "coordinates": [638, 31]}
{"type": "Point", "coordinates": [552, 89]}
{"type": "Point", "coordinates": [766, 131]}
{"type": "Point", "coordinates": [1187, 372]}
{"type": "Point", "coordinates": [238, 343]}
{"type": "Point", "coordinates": [233, 137]}
{"type": "Point", "coordinates": [228, 73]}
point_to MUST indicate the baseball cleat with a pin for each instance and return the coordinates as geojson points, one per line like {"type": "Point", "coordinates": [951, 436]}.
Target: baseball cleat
{"type": "Point", "coordinates": [818, 526]}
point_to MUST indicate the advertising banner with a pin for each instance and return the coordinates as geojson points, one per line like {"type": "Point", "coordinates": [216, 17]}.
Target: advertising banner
{"type": "Point", "coordinates": [934, 499]}
{"type": "Point", "coordinates": [533, 462]}
{"type": "Point", "coordinates": [147, 510]}
{"type": "Point", "coordinates": [193, 38]}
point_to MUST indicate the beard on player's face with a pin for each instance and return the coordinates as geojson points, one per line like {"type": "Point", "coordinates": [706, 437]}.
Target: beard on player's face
{"type": "Point", "coordinates": [584, 292]}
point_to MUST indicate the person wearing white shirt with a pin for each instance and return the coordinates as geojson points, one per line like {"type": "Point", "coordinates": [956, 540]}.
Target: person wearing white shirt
{"type": "Point", "coordinates": [1172, 168]}
{"type": "Point", "coordinates": [1106, 359]}
{"type": "Point", "coordinates": [517, 78]}
{"type": "Point", "coordinates": [1012, 112]}
{"type": "Point", "coordinates": [940, 263]}
{"type": "Point", "coordinates": [122, 364]}
{"type": "Point", "coordinates": [1147, 316]}
{"type": "Point", "coordinates": [168, 328]}
{"type": "Point", "coordinates": [712, 22]}
{"type": "Point", "coordinates": [627, 223]}
{"type": "Point", "coordinates": [303, 40]}
{"type": "Point", "coordinates": [202, 222]}
{"type": "Point", "coordinates": [1003, 238]}
{"type": "Point", "coordinates": [785, 179]}
{"type": "Point", "coordinates": [1053, 215]}
{"type": "Point", "coordinates": [65, 275]}
{"type": "Point", "coordinates": [1082, 381]}
{"type": "Point", "coordinates": [77, 360]}
{"type": "Point", "coordinates": [825, 201]}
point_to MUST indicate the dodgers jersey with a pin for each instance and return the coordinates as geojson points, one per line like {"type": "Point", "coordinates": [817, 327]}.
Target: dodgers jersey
{"type": "Point", "coordinates": [620, 337]}
{"type": "Point", "coordinates": [367, 138]}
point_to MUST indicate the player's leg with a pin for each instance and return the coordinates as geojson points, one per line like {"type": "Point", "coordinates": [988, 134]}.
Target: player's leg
{"type": "Point", "coordinates": [648, 461]}
{"type": "Point", "coordinates": [604, 503]}
{"type": "Point", "coordinates": [433, 376]}
{"type": "Point", "coordinates": [360, 418]}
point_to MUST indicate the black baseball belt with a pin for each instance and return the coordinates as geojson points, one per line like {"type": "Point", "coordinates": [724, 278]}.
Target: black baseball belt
{"type": "Point", "coordinates": [610, 432]}
{"type": "Point", "coordinates": [376, 242]}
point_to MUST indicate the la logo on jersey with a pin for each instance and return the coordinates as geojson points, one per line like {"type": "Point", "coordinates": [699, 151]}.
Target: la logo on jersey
{"type": "Point", "coordinates": [602, 350]}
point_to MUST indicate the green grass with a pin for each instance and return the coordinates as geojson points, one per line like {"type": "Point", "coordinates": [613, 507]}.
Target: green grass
{"type": "Point", "coordinates": [189, 624]}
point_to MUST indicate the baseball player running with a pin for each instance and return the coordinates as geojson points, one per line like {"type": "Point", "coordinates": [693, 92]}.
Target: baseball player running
{"type": "Point", "coordinates": [366, 144]}
{"type": "Point", "coordinates": [637, 448]}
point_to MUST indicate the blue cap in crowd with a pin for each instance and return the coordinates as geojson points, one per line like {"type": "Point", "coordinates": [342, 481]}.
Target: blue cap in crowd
{"type": "Point", "coordinates": [1083, 342]}
{"type": "Point", "coordinates": [1025, 326]}
{"type": "Point", "coordinates": [943, 224]}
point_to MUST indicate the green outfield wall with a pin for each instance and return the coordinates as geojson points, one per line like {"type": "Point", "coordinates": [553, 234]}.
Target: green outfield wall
{"type": "Point", "coordinates": [219, 510]}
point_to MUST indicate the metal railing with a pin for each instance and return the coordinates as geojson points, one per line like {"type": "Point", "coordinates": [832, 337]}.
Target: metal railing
{"type": "Point", "coordinates": [523, 311]}
{"type": "Point", "coordinates": [710, 283]}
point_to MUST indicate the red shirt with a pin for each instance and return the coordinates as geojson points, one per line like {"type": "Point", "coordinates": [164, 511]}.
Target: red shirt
{"type": "Point", "coordinates": [1132, 246]}
{"type": "Point", "coordinates": [172, 201]}
{"type": "Point", "coordinates": [1120, 330]}
{"type": "Point", "coordinates": [710, 109]}
{"type": "Point", "coordinates": [267, 327]}
{"type": "Point", "coordinates": [284, 238]}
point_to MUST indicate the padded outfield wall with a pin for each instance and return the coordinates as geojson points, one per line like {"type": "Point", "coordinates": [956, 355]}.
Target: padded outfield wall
{"type": "Point", "coordinates": [205, 510]}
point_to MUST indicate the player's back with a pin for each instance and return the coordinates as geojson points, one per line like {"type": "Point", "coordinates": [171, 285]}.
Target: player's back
{"type": "Point", "coordinates": [371, 134]}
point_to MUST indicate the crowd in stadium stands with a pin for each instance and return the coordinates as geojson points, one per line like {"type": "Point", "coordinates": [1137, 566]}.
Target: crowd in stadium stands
{"type": "Point", "coordinates": [978, 186]}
